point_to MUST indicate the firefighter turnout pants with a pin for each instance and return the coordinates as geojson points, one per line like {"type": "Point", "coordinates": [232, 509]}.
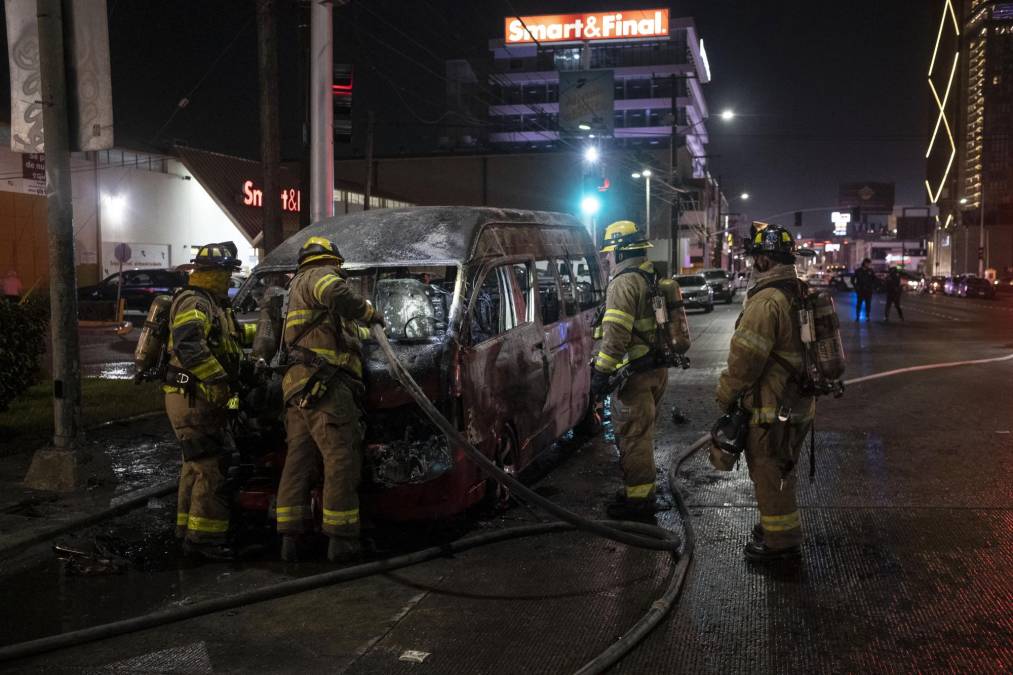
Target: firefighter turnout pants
{"type": "Point", "coordinates": [202, 505]}
{"type": "Point", "coordinates": [772, 456]}
{"type": "Point", "coordinates": [634, 411]}
{"type": "Point", "coordinates": [330, 429]}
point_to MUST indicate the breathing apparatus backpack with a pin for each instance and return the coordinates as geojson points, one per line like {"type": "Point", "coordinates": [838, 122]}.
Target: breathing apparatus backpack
{"type": "Point", "coordinates": [151, 356]}
{"type": "Point", "coordinates": [671, 336]}
{"type": "Point", "coordinates": [823, 359]}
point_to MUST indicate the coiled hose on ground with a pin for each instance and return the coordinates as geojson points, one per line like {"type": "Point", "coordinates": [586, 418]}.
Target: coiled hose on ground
{"type": "Point", "coordinates": [635, 534]}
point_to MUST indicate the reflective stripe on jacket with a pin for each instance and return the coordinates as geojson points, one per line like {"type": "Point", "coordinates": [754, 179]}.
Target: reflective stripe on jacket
{"type": "Point", "coordinates": [205, 339]}
{"type": "Point", "coordinates": [316, 290]}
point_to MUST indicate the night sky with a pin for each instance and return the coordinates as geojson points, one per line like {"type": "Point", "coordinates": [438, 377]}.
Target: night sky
{"type": "Point", "coordinates": [827, 91]}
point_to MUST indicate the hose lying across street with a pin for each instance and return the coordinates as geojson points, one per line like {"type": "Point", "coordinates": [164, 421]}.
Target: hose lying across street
{"type": "Point", "coordinates": [635, 534]}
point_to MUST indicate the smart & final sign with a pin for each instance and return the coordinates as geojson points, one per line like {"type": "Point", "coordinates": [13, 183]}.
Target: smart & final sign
{"type": "Point", "coordinates": [626, 25]}
{"type": "Point", "coordinates": [291, 199]}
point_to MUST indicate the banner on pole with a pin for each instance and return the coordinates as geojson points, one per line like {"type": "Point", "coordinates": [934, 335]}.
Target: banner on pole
{"type": "Point", "coordinates": [26, 77]}
{"type": "Point", "coordinates": [89, 86]}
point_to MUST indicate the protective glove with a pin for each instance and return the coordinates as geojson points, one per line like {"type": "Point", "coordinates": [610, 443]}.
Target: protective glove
{"type": "Point", "coordinates": [219, 394]}
{"type": "Point", "coordinates": [375, 316]}
{"type": "Point", "coordinates": [599, 384]}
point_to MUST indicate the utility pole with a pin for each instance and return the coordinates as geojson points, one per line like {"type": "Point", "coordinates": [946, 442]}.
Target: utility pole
{"type": "Point", "coordinates": [321, 110]}
{"type": "Point", "coordinates": [716, 244]}
{"type": "Point", "coordinates": [981, 234]}
{"type": "Point", "coordinates": [369, 162]}
{"type": "Point", "coordinates": [676, 263]}
{"type": "Point", "coordinates": [270, 145]}
{"type": "Point", "coordinates": [303, 14]}
{"type": "Point", "coordinates": [57, 468]}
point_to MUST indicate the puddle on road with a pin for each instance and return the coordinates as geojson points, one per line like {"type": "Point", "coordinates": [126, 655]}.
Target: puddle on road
{"type": "Point", "coordinates": [121, 370]}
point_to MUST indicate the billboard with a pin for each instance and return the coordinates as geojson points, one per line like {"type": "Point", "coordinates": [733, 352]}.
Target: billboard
{"type": "Point", "coordinates": [871, 197]}
{"type": "Point", "coordinates": [549, 28]}
{"type": "Point", "coordinates": [586, 101]}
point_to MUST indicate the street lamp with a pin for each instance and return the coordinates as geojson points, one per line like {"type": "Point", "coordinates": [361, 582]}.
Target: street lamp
{"type": "Point", "coordinates": [727, 115]}
{"type": "Point", "coordinates": [744, 196]}
{"type": "Point", "coordinates": [591, 154]}
{"type": "Point", "coordinates": [646, 174]}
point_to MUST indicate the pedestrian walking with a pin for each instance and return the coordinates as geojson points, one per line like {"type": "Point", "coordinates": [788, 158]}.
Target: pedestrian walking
{"type": "Point", "coordinates": [894, 290]}
{"type": "Point", "coordinates": [864, 283]}
{"type": "Point", "coordinates": [765, 347]}
{"type": "Point", "coordinates": [205, 348]}
{"type": "Point", "coordinates": [323, 392]}
{"type": "Point", "coordinates": [629, 335]}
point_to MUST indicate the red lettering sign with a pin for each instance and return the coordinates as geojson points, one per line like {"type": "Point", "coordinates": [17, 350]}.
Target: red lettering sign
{"type": "Point", "coordinates": [291, 199]}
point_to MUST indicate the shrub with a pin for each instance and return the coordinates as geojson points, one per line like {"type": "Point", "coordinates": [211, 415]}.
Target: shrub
{"type": "Point", "coordinates": [22, 333]}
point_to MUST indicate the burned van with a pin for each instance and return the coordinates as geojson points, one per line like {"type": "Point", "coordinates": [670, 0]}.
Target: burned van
{"type": "Point", "coordinates": [491, 312]}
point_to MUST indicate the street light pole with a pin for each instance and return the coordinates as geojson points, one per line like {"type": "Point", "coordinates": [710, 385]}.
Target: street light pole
{"type": "Point", "coordinates": [981, 234]}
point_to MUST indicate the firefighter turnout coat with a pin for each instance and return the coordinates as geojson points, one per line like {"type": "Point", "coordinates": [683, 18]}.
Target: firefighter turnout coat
{"type": "Point", "coordinates": [205, 347]}
{"type": "Point", "coordinates": [779, 416]}
{"type": "Point", "coordinates": [323, 391]}
{"type": "Point", "coordinates": [628, 333]}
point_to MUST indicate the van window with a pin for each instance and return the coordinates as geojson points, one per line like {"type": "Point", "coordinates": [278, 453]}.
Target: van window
{"type": "Point", "coordinates": [589, 290]}
{"type": "Point", "coordinates": [548, 291]}
{"type": "Point", "coordinates": [567, 284]}
{"type": "Point", "coordinates": [498, 307]}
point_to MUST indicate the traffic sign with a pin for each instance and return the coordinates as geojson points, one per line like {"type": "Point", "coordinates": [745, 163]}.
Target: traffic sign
{"type": "Point", "coordinates": [122, 253]}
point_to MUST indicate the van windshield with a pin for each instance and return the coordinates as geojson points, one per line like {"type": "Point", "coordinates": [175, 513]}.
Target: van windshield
{"type": "Point", "coordinates": [415, 301]}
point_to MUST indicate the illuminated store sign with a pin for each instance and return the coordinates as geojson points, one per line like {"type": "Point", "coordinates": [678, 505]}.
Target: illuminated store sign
{"type": "Point", "coordinates": [626, 25]}
{"type": "Point", "coordinates": [291, 199]}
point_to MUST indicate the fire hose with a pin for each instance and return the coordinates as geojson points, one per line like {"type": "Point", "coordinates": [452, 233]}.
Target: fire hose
{"type": "Point", "coordinates": [640, 535]}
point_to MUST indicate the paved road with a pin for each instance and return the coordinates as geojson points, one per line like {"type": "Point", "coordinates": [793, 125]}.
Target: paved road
{"type": "Point", "coordinates": [908, 563]}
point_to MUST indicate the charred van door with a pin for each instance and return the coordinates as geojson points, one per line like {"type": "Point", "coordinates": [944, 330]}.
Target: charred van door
{"type": "Point", "coordinates": [504, 368]}
{"type": "Point", "coordinates": [556, 332]}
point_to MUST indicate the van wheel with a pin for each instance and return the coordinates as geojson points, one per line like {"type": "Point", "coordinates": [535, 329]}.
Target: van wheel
{"type": "Point", "coordinates": [497, 495]}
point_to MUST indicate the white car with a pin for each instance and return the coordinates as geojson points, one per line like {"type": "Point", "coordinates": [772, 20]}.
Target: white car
{"type": "Point", "coordinates": [696, 292]}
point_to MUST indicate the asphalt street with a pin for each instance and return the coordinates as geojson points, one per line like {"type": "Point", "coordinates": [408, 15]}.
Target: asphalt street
{"type": "Point", "coordinates": [907, 565]}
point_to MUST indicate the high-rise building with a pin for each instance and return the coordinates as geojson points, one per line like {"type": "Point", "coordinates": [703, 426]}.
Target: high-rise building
{"type": "Point", "coordinates": [970, 165]}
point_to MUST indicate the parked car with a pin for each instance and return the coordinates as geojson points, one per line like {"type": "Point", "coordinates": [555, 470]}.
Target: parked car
{"type": "Point", "coordinates": [935, 285]}
{"type": "Point", "coordinates": [235, 283]}
{"type": "Point", "coordinates": [696, 292]}
{"type": "Point", "coordinates": [490, 310]}
{"type": "Point", "coordinates": [720, 283]}
{"type": "Point", "coordinates": [976, 287]}
{"type": "Point", "coordinates": [818, 280]}
{"type": "Point", "coordinates": [914, 282]}
{"type": "Point", "coordinates": [139, 288]}
{"type": "Point", "coordinates": [952, 284]}
{"type": "Point", "coordinates": [842, 282]}
{"type": "Point", "coordinates": [1004, 285]}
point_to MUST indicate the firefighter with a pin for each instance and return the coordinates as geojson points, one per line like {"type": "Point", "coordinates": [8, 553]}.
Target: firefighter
{"type": "Point", "coordinates": [629, 336]}
{"type": "Point", "coordinates": [894, 290]}
{"type": "Point", "coordinates": [766, 336]}
{"type": "Point", "coordinates": [323, 392]}
{"type": "Point", "coordinates": [205, 349]}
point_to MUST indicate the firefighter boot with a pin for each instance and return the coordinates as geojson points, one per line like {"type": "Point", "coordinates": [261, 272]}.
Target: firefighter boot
{"type": "Point", "coordinates": [759, 552]}
{"type": "Point", "coordinates": [757, 532]}
{"type": "Point", "coordinates": [209, 550]}
{"type": "Point", "coordinates": [343, 550]}
{"type": "Point", "coordinates": [292, 548]}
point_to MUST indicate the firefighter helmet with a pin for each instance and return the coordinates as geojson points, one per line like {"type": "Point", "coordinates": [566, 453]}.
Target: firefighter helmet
{"type": "Point", "coordinates": [319, 248]}
{"type": "Point", "coordinates": [772, 240]}
{"type": "Point", "coordinates": [623, 235]}
{"type": "Point", "coordinates": [221, 256]}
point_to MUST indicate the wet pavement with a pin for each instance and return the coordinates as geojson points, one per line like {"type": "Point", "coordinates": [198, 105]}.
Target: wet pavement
{"type": "Point", "coordinates": [908, 563]}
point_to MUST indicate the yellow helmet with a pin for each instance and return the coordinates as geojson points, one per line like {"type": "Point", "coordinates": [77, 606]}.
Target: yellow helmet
{"type": "Point", "coordinates": [623, 235]}
{"type": "Point", "coordinates": [220, 256]}
{"type": "Point", "coordinates": [319, 248]}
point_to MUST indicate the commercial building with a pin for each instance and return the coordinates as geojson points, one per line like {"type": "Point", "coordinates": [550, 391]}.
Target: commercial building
{"type": "Point", "coordinates": [161, 206]}
{"type": "Point", "coordinates": [969, 159]}
{"type": "Point", "coordinates": [627, 83]}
